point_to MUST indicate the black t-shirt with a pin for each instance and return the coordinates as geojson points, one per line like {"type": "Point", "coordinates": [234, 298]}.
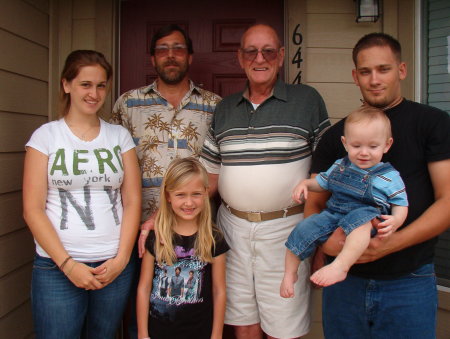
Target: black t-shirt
{"type": "Point", "coordinates": [181, 304]}
{"type": "Point", "coordinates": [421, 135]}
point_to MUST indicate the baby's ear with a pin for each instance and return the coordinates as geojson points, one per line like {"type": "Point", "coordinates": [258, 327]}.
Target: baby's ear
{"type": "Point", "coordinates": [388, 144]}
{"type": "Point", "coordinates": [344, 142]}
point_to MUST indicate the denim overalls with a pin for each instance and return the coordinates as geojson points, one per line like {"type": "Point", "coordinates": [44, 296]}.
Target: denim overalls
{"type": "Point", "coordinates": [351, 205]}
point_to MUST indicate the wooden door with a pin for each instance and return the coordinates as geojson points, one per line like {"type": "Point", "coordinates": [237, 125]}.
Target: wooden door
{"type": "Point", "coordinates": [215, 28]}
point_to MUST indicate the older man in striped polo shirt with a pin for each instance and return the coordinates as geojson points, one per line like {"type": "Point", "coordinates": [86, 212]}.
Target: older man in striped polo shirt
{"type": "Point", "coordinates": [258, 148]}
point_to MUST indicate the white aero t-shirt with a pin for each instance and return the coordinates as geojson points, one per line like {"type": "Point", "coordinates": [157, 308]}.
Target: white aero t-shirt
{"type": "Point", "coordinates": [84, 203]}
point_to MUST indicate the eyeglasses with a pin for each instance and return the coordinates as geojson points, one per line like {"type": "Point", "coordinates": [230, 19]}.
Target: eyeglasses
{"type": "Point", "coordinates": [177, 50]}
{"type": "Point", "coordinates": [250, 54]}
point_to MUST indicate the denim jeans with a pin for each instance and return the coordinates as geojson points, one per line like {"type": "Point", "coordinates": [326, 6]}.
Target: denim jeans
{"type": "Point", "coordinates": [403, 308]}
{"type": "Point", "coordinates": [315, 230]}
{"type": "Point", "coordinates": [60, 309]}
{"type": "Point", "coordinates": [130, 312]}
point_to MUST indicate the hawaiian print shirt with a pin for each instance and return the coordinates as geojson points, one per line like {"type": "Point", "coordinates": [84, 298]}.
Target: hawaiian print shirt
{"type": "Point", "coordinates": [162, 132]}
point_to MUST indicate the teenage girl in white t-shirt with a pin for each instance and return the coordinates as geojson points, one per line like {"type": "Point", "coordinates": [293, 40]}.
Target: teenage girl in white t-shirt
{"type": "Point", "coordinates": [82, 198]}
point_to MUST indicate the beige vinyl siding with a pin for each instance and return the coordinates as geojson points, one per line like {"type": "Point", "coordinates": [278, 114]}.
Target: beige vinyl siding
{"type": "Point", "coordinates": [24, 35]}
{"type": "Point", "coordinates": [85, 24]}
{"type": "Point", "coordinates": [37, 36]}
{"type": "Point", "coordinates": [331, 34]}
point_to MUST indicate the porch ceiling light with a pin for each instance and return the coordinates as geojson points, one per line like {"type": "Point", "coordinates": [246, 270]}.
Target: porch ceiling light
{"type": "Point", "coordinates": [367, 10]}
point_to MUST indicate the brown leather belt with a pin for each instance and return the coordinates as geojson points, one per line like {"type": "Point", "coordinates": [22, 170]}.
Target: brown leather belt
{"type": "Point", "coordinates": [264, 216]}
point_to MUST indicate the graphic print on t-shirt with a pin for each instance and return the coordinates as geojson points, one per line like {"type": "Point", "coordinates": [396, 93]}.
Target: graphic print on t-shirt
{"type": "Point", "coordinates": [84, 178]}
{"type": "Point", "coordinates": [94, 169]}
{"type": "Point", "coordinates": [177, 285]}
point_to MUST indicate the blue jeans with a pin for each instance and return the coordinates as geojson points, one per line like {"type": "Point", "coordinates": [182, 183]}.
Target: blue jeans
{"type": "Point", "coordinates": [315, 230]}
{"type": "Point", "coordinates": [403, 308]}
{"type": "Point", "coordinates": [60, 309]}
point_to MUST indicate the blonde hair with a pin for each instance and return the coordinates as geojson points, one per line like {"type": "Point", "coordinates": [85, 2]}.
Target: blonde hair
{"type": "Point", "coordinates": [368, 114]}
{"type": "Point", "coordinates": [179, 173]}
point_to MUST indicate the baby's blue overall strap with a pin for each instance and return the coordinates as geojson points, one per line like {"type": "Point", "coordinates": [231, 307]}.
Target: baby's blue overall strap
{"type": "Point", "coordinates": [383, 169]}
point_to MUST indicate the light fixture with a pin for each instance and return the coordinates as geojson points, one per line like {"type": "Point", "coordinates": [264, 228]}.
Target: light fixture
{"type": "Point", "coordinates": [367, 10]}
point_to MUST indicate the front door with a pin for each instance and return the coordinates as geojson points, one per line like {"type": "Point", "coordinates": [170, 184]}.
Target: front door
{"type": "Point", "coordinates": [215, 28]}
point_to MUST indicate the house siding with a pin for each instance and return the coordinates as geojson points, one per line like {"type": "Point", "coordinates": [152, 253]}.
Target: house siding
{"type": "Point", "coordinates": [438, 94]}
{"type": "Point", "coordinates": [37, 36]}
{"type": "Point", "coordinates": [24, 34]}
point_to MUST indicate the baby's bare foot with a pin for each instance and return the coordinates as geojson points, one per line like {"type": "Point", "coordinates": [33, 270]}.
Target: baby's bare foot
{"type": "Point", "coordinates": [329, 274]}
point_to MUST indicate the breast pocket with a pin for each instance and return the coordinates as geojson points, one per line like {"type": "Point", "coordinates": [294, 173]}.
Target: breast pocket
{"type": "Point", "coordinates": [349, 182]}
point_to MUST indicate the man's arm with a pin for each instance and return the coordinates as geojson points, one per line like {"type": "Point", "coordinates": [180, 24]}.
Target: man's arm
{"type": "Point", "coordinates": [146, 227]}
{"type": "Point", "coordinates": [434, 221]}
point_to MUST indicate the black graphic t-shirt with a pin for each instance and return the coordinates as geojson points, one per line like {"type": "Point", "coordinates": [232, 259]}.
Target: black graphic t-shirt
{"type": "Point", "coordinates": [181, 303]}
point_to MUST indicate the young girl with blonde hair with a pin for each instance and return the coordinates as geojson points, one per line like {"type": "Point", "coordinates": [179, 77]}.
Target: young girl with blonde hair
{"type": "Point", "coordinates": [187, 248]}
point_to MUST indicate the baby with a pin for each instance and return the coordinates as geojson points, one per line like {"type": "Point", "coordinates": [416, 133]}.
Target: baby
{"type": "Point", "coordinates": [362, 187]}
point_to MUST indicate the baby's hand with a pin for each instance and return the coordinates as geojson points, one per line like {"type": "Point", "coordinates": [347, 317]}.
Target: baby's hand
{"type": "Point", "coordinates": [387, 227]}
{"type": "Point", "coordinates": [300, 193]}
{"type": "Point", "coordinates": [287, 285]}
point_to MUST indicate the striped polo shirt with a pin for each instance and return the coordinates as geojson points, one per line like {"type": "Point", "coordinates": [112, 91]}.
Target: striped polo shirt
{"type": "Point", "coordinates": [262, 153]}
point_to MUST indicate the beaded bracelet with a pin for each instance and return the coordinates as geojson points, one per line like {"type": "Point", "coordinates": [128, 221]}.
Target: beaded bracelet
{"type": "Point", "coordinates": [71, 268]}
{"type": "Point", "coordinates": [64, 263]}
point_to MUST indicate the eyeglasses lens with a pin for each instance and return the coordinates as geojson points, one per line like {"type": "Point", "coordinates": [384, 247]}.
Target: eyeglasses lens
{"type": "Point", "coordinates": [177, 50]}
{"type": "Point", "coordinates": [269, 54]}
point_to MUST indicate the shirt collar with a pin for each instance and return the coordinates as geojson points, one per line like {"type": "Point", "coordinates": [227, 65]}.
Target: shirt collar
{"type": "Point", "coordinates": [393, 104]}
{"type": "Point", "coordinates": [154, 88]}
{"type": "Point", "coordinates": [279, 92]}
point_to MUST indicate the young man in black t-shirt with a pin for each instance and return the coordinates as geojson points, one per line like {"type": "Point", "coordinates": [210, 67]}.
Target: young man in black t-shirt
{"type": "Point", "coordinates": [392, 291]}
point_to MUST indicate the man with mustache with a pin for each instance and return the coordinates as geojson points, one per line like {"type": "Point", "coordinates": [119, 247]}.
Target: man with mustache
{"type": "Point", "coordinates": [167, 119]}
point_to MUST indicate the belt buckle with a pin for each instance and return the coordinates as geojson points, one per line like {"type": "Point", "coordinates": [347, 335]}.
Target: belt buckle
{"type": "Point", "coordinates": [254, 216]}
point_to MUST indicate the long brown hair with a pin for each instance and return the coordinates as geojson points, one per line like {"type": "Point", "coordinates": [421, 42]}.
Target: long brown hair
{"type": "Point", "coordinates": [74, 63]}
{"type": "Point", "coordinates": [180, 172]}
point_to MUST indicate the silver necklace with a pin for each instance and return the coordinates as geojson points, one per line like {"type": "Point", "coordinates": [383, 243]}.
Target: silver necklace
{"type": "Point", "coordinates": [82, 135]}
